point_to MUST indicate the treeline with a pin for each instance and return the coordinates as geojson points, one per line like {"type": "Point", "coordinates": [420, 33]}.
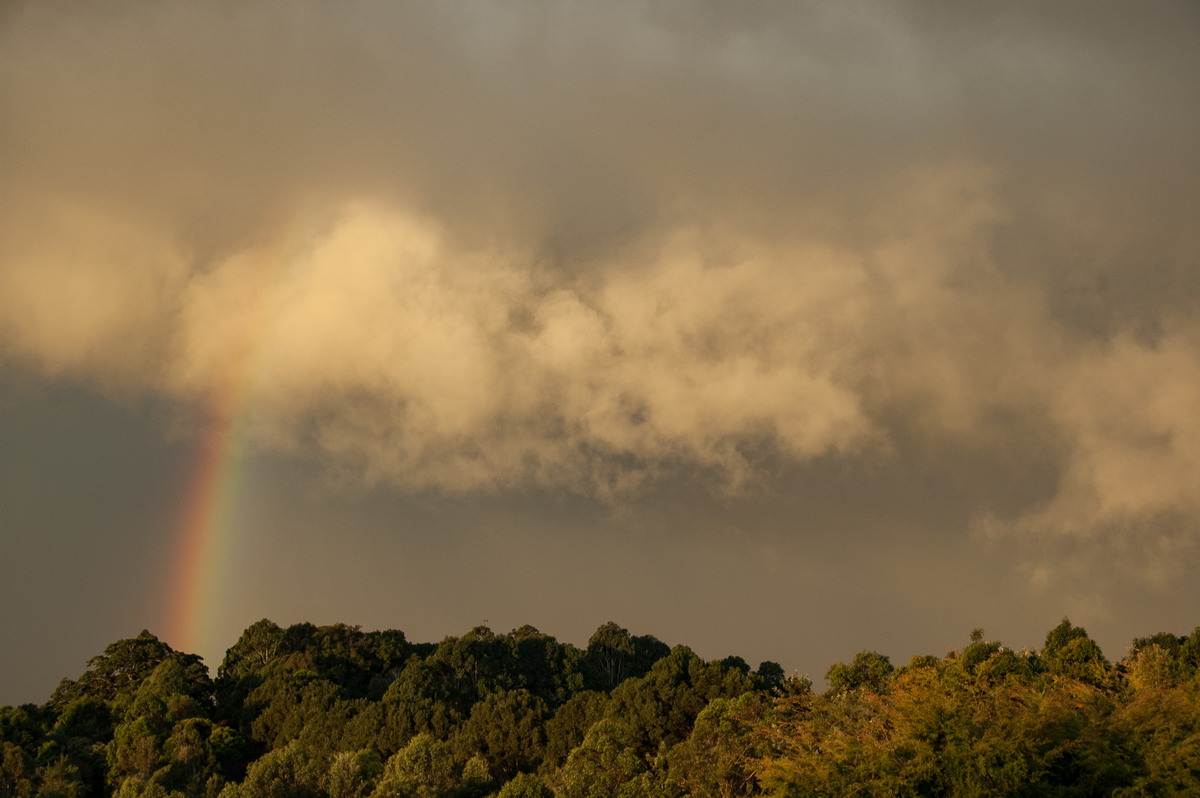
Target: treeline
{"type": "Point", "coordinates": [333, 711]}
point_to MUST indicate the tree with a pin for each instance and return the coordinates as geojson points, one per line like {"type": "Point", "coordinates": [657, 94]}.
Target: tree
{"type": "Point", "coordinates": [1070, 653]}
{"type": "Point", "coordinates": [609, 649]}
{"type": "Point", "coordinates": [352, 774]}
{"type": "Point", "coordinates": [287, 772]}
{"type": "Point", "coordinates": [16, 771]}
{"type": "Point", "coordinates": [605, 765]}
{"type": "Point", "coordinates": [425, 768]}
{"type": "Point", "coordinates": [259, 644]}
{"type": "Point", "coordinates": [525, 785]}
{"type": "Point", "coordinates": [508, 729]}
{"type": "Point", "coordinates": [60, 779]}
{"type": "Point", "coordinates": [286, 705]}
{"type": "Point", "coordinates": [1152, 667]}
{"type": "Point", "coordinates": [570, 724]}
{"type": "Point", "coordinates": [869, 671]}
{"type": "Point", "coordinates": [543, 666]}
{"type": "Point", "coordinates": [771, 675]}
{"type": "Point", "coordinates": [720, 758]}
{"type": "Point", "coordinates": [119, 671]}
{"type": "Point", "coordinates": [658, 709]}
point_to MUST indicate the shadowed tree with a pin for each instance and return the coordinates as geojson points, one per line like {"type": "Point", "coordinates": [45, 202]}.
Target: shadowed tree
{"type": "Point", "coordinates": [508, 729]}
{"type": "Point", "coordinates": [119, 671]}
{"type": "Point", "coordinates": [658, 709]}
{"type": "Point", "coordinates": [570, 725]}
{"type": "Point", "coordinates": [869, 671]}
{"type": "Point", "coordinates": [16, 771]}
{"type": "Point", "coordinates": [610, 649]}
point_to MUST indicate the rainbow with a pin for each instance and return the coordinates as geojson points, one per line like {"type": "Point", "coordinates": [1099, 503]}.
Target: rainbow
{"type": "Point", "coordinates": [202, 537]}
{"type": "Point", "coordinates": [208, 509]}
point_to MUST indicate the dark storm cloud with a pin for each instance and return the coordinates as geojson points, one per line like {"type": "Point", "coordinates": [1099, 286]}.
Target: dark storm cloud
{"type": "Point", "coordinates": [595, 248]}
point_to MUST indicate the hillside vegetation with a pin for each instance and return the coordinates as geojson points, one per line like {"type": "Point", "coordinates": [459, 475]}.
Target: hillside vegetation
{"type": "Point", "coordinates": [333, 711]}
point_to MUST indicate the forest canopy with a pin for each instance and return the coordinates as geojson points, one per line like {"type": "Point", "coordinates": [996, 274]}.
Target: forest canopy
{"type": "Point", "coordinates": [337, 712]}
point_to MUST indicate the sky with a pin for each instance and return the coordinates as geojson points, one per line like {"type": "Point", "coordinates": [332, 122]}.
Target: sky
{"type": "Point", "coordinates": [775, 330]}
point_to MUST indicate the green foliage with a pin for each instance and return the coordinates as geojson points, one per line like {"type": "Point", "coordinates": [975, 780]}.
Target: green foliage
{"type": "Point", "coordinates": [1071, 654]}
{"type": "Point", "coordinates": [570, 725]}
{"type": "Point", "coordinates": [869, 671]}
{"type": "Point", "coordinates": [119, 671]}
{"type": "Point", "coordinates": [336, 712]}
{"type": "Point", "coordinates": [88, 717]}
{"type": "Point", "coordinates": [419, 701]}
{"type": "Point", "coordinates": [508, 730]}
{"type": "Point", "coordinates": [16, 771]}
{"type": "Point", "coordinates": [659, 708]}
{"type": "Point", "coordinates": [425, 768]}
{"type": "Point", "coordinates": [352, 774]}
{"type": "Point", "coordinates": [605, 765]}
{"type": "Point", "coordinates": [610, 650]}
{"type": "Point", "coordinates": [284, 706]}
{"type": "Point", "coordinates": [771, 675]}
{"type": "Point", "coordinates": [288, 772]}
{"type": "Point", "coordinates": [613, 655]}
{"type": "Point", "coordinates": [1153, 667]}
{"type": "Point", "coordinates": [722, 755]}
{"type": "Point", "coordinates": [60, 779]}
{"type": "Point", "coordinates": [541, 665]}
{"type": "Point", "coordinates": [525, 785]}
{"type": "Point", "coordinates": [25, 726]}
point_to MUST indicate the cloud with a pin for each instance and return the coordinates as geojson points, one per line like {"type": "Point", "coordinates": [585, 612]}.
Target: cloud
{"type": "Point", "coordinates": [591, 249]}
{"type": "Point", "coordinates": [1127, 494]}
{"type": "Point", "coordinates": [437, 367]}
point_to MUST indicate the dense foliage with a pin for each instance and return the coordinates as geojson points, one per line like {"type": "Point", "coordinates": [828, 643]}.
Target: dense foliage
{"type": "Point", "coordinates": [335, 712]}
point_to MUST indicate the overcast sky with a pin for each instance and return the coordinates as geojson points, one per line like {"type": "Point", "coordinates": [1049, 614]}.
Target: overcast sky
{"type": "Point", "coordinates": [775, 330]}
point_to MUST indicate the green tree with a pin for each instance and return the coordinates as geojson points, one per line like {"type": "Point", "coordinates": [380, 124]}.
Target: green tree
{"type": "Point", "coordinates": [610, 650]}
{"type": "Point", "coordinates": [60, 779]}
{"type": "Point", "coordinates": [1070, 653]}
{"type": "Point", "coordinates": [83, 732]}
{"type": "Point", "coordinates": [1160, 731]}
{"type": "Point", "coordinates": [570, 724]}
{"type": "Point", "coordinates": [352, 774]}
{"type": "Point", "coordinates": [525, 785]}
{"type": "Point", "coordinates": [543, 666]}
{"type": "Point", "coordinates": [117, 672]}
{"type": "Point", "coordinates": [869, 671]}
{"type": "Point", "coordinates": [613, 655]}
{"type": "Point", "coordinates": [190, 763]}
{"type": "Point", "coordinates": [425, 768]}
{"type": "Point", "coordinates": [658, 709]}
{"type": "Point", "coordinates": [420, 701]}
{"type": "Point", "coordinates": [508, 729]}
{"type": "Point", "coordinates": [176, 691]}
{"type": "Point", "coordinates": [16, 771]}
{"type": "Point", "coordinates": [720, 758]}
{"type": "Point", "coordinates": [1152, 667]}
{"type": "Point", "coordinates": [287, 772]}
{"type": "Point", "coordinates": [287, 704]}
{"type": "Point", "coordinates": [605, 765]}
